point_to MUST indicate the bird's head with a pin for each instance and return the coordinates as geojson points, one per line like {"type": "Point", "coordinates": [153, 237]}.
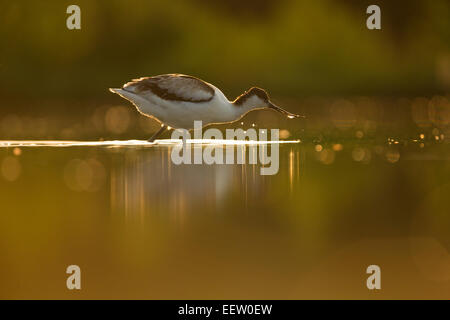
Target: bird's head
{"type": "Point", "coordinates": [257, 98]}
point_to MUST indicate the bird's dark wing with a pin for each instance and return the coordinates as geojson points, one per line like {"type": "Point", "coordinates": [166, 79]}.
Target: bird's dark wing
{"type": "Point", "coordinates": [176, 87]}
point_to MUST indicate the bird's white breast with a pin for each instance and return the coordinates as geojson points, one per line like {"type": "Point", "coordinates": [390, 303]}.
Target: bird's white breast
{"type": "Point", "coordinates": [182, 114]}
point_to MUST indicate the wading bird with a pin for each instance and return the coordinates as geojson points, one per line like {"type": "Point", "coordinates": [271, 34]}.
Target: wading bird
{"type": "Point", "coordinates": [177, 100]}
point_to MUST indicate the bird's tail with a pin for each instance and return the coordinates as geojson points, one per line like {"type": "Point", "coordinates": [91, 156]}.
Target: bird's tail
{"type": "Point", "coordinates": [115, 90]}
{"type": "Point", "coordinates": [130, 96]}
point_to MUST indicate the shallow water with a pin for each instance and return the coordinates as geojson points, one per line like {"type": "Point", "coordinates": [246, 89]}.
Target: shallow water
{"type": "Point", "coordinates": [141, 227]}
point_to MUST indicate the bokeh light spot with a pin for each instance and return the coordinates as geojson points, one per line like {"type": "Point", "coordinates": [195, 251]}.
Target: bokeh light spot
{"type": "Point", "coordinates": [117, 119]}
{"type": "Point", "coordinates": [11, 169]}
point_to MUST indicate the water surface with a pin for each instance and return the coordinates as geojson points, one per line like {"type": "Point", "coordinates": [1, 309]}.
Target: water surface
{"type": "Point", "coordinates": [141, 227]}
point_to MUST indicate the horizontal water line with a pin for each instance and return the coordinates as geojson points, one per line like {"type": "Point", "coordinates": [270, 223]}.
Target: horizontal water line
{"type": "Point", "coordinates": [143, 143]}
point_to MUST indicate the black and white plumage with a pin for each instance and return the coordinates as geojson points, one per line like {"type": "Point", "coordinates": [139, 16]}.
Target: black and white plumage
{"type": "Point", "coordinates": [178, 100]}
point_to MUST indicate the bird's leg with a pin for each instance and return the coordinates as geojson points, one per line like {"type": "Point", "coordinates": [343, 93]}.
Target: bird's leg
{"type": "Point", "coordinates": [157, 134]}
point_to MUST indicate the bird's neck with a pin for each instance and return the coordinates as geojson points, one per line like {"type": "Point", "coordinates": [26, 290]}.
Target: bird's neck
{"type": "Point", "coordinates": [239, 110]}
{"type": "Point", "coordinates": [235, 109]}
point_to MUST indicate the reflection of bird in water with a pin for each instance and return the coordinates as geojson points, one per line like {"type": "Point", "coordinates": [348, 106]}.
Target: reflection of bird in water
{"type": "Point", "coordinates": [178, 100]}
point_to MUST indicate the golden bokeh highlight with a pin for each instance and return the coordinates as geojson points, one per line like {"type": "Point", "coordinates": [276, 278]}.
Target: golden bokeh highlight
{"type": "Point", "coordinates": [326, 156]}
{"type": "Point", "coordinates": [361, 154]}
{"type": "Point", "coordinates": [392, 156]}
{"type": "Point", "coordinates": [117, 119]}
{"type": "Point", "coordinates": [11, 168]}
{"type": "Point", "coordinates": [84, 175]}
{"type": "Point", "coordinates": [17, 151]}
{"type": "Point", "coordinates": [284, 134]}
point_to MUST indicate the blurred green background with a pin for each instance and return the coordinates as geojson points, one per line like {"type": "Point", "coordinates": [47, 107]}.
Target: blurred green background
{"type": "Point", "coordinates": [292, 48]}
